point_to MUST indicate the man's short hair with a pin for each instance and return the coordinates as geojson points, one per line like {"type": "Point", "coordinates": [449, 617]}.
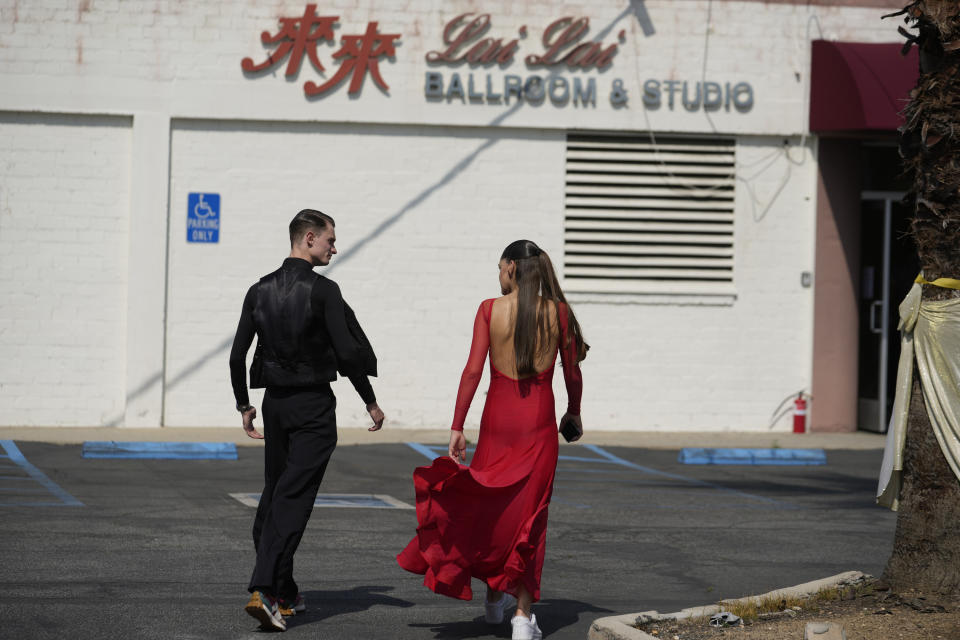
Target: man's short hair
{"type": "Point", "coordinates": [306, 220]}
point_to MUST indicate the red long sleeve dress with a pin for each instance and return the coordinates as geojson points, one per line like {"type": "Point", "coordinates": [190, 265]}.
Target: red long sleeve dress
{"type": "Point", "coordinates": [488, 520]}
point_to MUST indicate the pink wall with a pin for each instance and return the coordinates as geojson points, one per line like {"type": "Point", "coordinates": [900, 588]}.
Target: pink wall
{"type": "Point", "coordinates": [836, 287]}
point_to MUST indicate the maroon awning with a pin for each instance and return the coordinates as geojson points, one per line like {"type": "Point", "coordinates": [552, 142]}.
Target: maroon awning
{"type": "Point", "coordinates": [858, 86]}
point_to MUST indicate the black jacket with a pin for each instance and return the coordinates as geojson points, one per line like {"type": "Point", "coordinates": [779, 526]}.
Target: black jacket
{"type": "Point", "coordinates": [305, 331]}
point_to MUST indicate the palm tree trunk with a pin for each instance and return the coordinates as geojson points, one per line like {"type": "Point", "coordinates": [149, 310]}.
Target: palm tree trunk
{"type": "Point", "coordinates": [926, 548]}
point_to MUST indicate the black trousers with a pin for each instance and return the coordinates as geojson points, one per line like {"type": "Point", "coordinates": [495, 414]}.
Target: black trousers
{"type": "Point", "coordinates": [300, 434]}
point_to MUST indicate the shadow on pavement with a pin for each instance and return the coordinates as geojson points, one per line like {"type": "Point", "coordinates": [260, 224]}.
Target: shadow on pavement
{"type": "Point", "coordinates": [327, 604]}
{"type": "Point", "coordinates": [552, 616]}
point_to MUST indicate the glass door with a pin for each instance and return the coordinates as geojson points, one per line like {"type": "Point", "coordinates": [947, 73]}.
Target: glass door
{"type": "Point", "coordinates": [888, 265]}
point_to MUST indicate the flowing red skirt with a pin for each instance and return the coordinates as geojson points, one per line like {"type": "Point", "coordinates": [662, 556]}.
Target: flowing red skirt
{"type": "Point", "coordinates": [488, 520]}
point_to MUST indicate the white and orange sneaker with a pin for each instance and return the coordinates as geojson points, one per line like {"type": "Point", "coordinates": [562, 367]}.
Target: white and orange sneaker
{"type": "Point", "coordinates": [265, 609]}
{"type": "Point", "coordinates": [287, 609]}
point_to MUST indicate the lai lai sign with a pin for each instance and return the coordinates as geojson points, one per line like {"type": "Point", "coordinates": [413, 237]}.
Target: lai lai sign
{"type": "Point", "coordinates": [564, 69]}
{"type": "Point", "coordinates": [563, 48]}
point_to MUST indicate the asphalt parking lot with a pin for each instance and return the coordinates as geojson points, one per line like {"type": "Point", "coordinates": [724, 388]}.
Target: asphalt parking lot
{"type": "Point", "coordinates": [161, 549]}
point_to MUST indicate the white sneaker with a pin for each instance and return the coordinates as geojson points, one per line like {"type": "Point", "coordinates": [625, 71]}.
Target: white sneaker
{"type": "Point", "coordinates": [526, 628]}
{"type": "Point", "coordinates": [494, 611]}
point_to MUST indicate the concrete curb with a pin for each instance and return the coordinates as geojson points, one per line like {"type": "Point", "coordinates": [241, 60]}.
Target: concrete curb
{"type": "Point", "coordinates": [622, 627]}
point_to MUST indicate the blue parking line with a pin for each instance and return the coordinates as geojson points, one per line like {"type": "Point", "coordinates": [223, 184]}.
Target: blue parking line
{"type": "Point", "coordinates": [579, 459]}
{"type": "Point", "coordinates": [436, 451]}
{"type": "Point", "coordinates": [675, 476]}
{"type": "Point", "coordinates": [745, 456]}
{"type": "Point", "coordinates": [739, 507]}
{"type": "Point", "coordinates": [606, 472]}
{"type": "Point", "coordinates": [579, 505]}
{"type": "Point", "coordinates": [159, 450]}
{"type": "Point", "coordinates": [427, 451]}
{"type": "Point", "coordinates": [13, 453]}
{"type": "Point", "coordinates": [33, 504]}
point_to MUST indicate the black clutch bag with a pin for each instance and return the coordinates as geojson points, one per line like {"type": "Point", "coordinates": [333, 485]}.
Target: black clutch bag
{"type": "Point", "coordinates": [569, 430]}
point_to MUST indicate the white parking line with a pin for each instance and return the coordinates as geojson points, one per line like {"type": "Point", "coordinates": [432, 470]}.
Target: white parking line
{"type": "Point", "coordinates": [343, 500]}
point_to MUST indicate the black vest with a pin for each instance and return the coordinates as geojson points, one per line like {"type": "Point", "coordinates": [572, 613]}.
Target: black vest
{"type": "Point", "coordinates": [293, 347]}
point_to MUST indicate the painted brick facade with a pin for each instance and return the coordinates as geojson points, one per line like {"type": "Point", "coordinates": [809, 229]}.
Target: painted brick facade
{"type": "Point", "coordinates": [64, 204]}
{"type": "Point", "coordinates": [425, 194]}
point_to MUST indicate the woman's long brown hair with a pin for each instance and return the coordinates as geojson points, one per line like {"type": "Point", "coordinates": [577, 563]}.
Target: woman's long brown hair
{"type": "Point", "coordinates": [536, 278]}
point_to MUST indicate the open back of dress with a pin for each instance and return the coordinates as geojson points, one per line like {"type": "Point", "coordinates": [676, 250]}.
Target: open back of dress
{"type": "Point", "coordinates": [503, 321]}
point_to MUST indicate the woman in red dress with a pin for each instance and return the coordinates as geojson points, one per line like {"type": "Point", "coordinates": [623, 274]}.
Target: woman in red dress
{"type": "Point", "coordinates": [489, 520]}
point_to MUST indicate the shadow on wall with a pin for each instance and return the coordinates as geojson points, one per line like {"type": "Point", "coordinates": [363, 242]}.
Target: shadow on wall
{"type": "Point", "coordinates": [225, 344]}
{"type": "Point", "coordinates": [637, 7]}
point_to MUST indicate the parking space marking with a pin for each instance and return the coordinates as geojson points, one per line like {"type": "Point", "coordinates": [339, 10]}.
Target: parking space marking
{"type": "Point", "coordinates": [343, 500]}
{"type": "Point", "coordinates": [14, 455]}
{"type": "Point", "coordinates": [432, 451]}
{"type": "Point", "coordinates": [605, 457]}
{"type": "Point", "coordinates": [676, 476]}
{"type": "Point", "coordinates": [558, 500]}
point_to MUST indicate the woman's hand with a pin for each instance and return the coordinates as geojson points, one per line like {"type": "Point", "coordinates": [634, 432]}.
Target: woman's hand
{"type": "Point", "coordinates": [567, 417]}
{"type": "Point", "coordinates": [458, 447]}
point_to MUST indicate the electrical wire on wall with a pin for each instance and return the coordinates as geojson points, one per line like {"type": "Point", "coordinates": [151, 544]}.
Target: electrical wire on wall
{"type": "Point", "coordinates": [759, 208]}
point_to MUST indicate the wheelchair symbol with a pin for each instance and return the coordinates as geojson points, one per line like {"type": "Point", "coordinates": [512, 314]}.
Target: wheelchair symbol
{"type": "Point", "coordinates": [202, 209]}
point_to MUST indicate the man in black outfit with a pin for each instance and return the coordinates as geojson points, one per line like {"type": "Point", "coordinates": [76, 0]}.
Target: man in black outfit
{"type": "Point", "coordinates": [306, 333]}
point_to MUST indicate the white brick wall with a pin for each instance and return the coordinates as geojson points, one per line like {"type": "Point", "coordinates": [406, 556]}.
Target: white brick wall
{"type": "Point", "coordinates": [64, 197]}
{"type": "Point", "coordinates": [426, 194]}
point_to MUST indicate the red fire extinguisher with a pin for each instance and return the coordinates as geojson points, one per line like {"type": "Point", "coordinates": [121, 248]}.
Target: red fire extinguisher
{"type": "Point", "coordinates": [800, 414]}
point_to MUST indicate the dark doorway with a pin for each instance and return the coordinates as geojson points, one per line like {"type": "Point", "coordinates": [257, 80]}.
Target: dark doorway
{"type": "Point", "coordinates": [888, 266]}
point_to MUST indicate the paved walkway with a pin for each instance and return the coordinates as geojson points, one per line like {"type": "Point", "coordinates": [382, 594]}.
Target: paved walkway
{"type": "Point", "coordinates": [111, 549]}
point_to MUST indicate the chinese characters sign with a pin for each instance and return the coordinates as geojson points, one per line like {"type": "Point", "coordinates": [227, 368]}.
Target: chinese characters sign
{"type": "Point", "coordinates": [359, 54]}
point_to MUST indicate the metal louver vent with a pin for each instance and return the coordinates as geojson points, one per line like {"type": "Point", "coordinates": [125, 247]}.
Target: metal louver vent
{"type": "Point", "coordinates": [648, 218]}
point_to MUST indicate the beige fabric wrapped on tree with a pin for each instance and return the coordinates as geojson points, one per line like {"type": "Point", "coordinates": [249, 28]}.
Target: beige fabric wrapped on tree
{"type": "Point", "coordinates": [930, 330]}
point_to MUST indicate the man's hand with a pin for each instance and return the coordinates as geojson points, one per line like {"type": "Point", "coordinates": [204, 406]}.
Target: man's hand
{"type": "Point", "coordinates": [458, 446]}
{"type": "Point", "coordinates": [248, 417]}
{"type": "Point", "coordinates": [376, 414]}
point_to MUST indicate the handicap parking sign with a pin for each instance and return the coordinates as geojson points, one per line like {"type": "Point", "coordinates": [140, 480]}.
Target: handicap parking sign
{"type": "Point", "coordinates": [203, 217]}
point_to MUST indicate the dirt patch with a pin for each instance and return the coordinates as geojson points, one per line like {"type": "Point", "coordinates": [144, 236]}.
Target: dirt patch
{"type": "Point", "coordinates": [865, 614]}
